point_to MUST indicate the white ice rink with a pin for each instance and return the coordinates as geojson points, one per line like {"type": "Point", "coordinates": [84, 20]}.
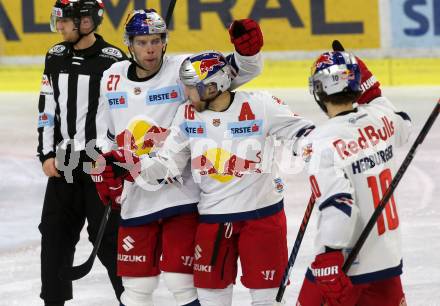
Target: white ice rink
{"type": "Point", "coordinates": [22, 188]}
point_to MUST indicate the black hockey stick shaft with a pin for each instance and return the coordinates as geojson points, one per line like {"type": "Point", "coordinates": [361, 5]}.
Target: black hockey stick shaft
{"type": "Point", "coordinates": [295, 250]}
{"type": "Point", "coordinates": [77, 272]}
{"type": "Point", "coordinates": [377, 212]}
{"type": "Point", "coordinates": [170, 12]}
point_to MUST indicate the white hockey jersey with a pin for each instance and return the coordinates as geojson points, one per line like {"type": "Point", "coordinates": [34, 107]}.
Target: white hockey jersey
{"type": "Point", "coordinates": [230, 153]}
{"type": "Point", "coordinates": [139, 115]}
{"type": "Point", "coordinates": [351, 162]}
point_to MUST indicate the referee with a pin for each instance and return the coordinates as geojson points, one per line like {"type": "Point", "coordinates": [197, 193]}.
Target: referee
{"type": "Point", "coordinates": [67, 125]}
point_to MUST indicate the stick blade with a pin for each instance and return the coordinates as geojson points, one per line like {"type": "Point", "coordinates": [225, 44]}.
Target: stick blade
{"type": "Point", "coordinates": [77, 272]}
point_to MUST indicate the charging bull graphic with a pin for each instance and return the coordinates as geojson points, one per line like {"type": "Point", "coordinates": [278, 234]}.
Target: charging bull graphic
{"type": "Point", "coordinates": [207, 64]}
{"type": "Point", "coordinates": [223, 166]}
{"type": "Point", "coordinates": [142, 137]}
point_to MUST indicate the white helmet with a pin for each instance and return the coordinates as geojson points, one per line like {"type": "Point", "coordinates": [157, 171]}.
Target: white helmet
{"type": "Point", "coordinates": [206, 68]}
{"type": "Point", "coordinates": [334, 73]}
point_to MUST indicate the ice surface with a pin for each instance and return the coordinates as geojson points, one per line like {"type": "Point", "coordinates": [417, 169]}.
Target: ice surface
{"type": "Point", "coordinates": [22, 187]}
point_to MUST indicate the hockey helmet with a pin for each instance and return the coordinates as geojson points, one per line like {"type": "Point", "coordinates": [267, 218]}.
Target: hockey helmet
{"type": "Point", "coordinates": [333, 73]}
{"type": "Point", "coordinates": [206, 68]}
{"type": "Point", "coordinates": [144, 22]}
{"type": "Point", "coordinates": [76, 9]}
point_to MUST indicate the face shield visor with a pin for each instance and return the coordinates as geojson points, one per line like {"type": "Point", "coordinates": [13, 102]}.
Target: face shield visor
{"type": "Point", "coordinates": [57, 13]}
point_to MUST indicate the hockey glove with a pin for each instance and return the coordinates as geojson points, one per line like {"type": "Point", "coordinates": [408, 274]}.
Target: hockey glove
{"type": "Point", "coordinates": [369, 85]}
{"type": "Point", "coordinates": [333, 283]}
{"type": "Point", "coordinates": [246, 36]}
{"type": "Point", "coordinates": [126, 165]}
{"type": "Point", "coordinates": [108, 186]}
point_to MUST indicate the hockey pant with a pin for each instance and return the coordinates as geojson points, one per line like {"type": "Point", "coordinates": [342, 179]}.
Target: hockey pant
{"type": "Point", "coordinates": [261, 245]}
{"type": "Point", "coordinates": [144, 251]}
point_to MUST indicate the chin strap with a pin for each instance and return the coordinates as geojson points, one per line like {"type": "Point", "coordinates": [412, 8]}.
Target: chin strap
{"type": "Point", "coordinates": [81, 35]}
{"type": "Point", "coordinates": [320, 103]}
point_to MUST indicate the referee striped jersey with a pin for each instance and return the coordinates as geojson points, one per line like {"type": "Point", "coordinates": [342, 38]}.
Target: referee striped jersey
{"type": "Point", "coordinates": [68, 109]}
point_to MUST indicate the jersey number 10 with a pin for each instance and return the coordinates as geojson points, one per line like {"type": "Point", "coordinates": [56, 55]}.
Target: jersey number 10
{"type": "Point", "coordinates": [385, 179]}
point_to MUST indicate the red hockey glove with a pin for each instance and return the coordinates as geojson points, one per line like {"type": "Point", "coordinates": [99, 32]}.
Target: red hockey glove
{"type": "Point", "coordinates": [369, 85]}
{"type": "Point", "coordinates": [126, 165]}
{"type": "Point", "coordinates": [332, 282]}
{"type": "Point", "coordinates": [246, 36]}
{"type": "Point", "coordinates": [108, 186]}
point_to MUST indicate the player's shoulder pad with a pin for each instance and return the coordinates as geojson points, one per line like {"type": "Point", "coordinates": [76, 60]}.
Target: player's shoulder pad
{"type": "Point", "coordinates": [178, 58]}
{"type": "Point", "coordinates": [262, 95]}
{"type": "Point", "coordinates": [118, 67]}
{"type": "Point", "coordinates": [267, 97]}
{"type": "Point", "coordinates": [174, 62]}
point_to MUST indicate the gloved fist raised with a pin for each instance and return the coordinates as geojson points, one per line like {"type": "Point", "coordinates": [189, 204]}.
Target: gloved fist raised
{"type": "Point", "coordinates": [246, 36]}
{"type": "Point", "coordinates": [369, 85]}
{"type": "Point", "coordinates": [333, 283]}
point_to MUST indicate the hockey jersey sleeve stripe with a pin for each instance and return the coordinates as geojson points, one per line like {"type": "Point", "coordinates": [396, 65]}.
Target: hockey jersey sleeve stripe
{"type": "Point", "coordinates": [341, 201]}
{"type": "Point", "coordinates": [231, 59]}
{"type": "Point", "coordinates": [110, 136]}
{"type": "Point", "coordinates": [404, 115]}
{"type": "Point", "coordinates": [304, 131]}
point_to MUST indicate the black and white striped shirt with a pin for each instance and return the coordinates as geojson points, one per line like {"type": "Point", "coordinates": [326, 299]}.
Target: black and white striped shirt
{"type": "Point", "coordinates": [69, 96]}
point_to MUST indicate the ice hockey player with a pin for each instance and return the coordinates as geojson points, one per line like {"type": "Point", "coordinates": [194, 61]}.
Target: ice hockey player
{"type": "Point", "coordinates": [68, 122]}
{"type": "Point", "coordinates": [351, 162]}
{"type": "Point", "coordinates": [142, 97]}
{"type": "Point", "coordinates": [227, 136]}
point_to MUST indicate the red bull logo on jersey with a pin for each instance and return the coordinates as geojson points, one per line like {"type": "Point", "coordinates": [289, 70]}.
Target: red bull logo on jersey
{"type": "Point", "coordinates": [206, 65]}
{"type": "Point", "coordinates": [45, 120]}
{"type": "Point", "coordinates": [142, 137]}
{"type": "Point", "coordinates": [245, 128]}
{"type": "Point", "coordinates": [194, 129]}
{"type": "Point", "coordinates": [170, 94]}
{"type": "Point", "coordinates": [307, 152]}
{"type": "Point", "coordinates": [369, 136]}
{"type": "Point", "coordinates": [117, 100]}
{"type": "Point", "coordinates": [223, 166]}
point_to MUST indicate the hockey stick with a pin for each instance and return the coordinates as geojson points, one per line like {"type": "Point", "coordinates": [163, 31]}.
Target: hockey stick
{"type": "Point", "coordinates": [295, 250]}
{"type": "Point", "coordinates": [77, 272]}
{"type": "Point", "coordinates": [337, 46]}
{"type": "Point", "coordinates": [377, 212]}
{"type": "Point", "coordinates": [170, 12]}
